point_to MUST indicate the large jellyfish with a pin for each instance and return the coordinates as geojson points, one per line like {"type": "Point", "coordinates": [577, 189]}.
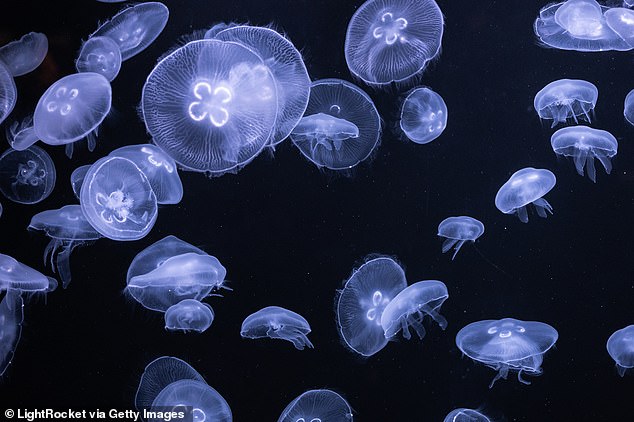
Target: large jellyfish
{"type": "Point", "coordinates": [584, 144]}
{"type": "Point", "coordinates": [24, 55]}
{"type": "Point", "coordinates": [524, 187]}
{"type": "Point", "coordinates": [15, 275]}
{"type": "Point", "coordinates": [210, 105]}
{"type": "Point", "coordinates": [362, 302]}
{"type": "Point", "coordinates": [8, 92]}
{"type": "Point", "coordinates": [458, 230]}
{"type": "Point", "coordinates": [11, 317]}
{"type": "Point", "coordinates": [393, 40]}
{"type": "Point", "coordinates": [100, 55]}
{"type": "Point", "coordinates": [423, 116]}
{"type": "Point", "coordinates": [68, 228]}
{"type": "Point", "coordinates": [465, 415]}
{"type": "Point", "coordinates": [276, 322]}
{"type": "Point", "coordinates": [508, 345]}
{"type": "Point", "coordinates": [620, 346]}
{"type": "Point", "coordinates": [189, 315]}
{"type": "Point", "coordinates": [564, 99]}
{"type": "Point", "coordinates": [27, 177]}
{"type": "Point", "coordinates": [317, 406]}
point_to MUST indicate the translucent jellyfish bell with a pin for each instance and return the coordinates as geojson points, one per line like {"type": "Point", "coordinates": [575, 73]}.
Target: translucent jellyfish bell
{"type": "Point", "coordinates": [189, 315]}
{"type": "Point", "coordinates": [524, 187]}
{"type": "Point", "coordinates": [585, 144]}
{"type": "Point", "coordinates": [100, 55]}
{"type": "Point", "coordinates": [315, 406]}
{"type": "Point", "coordinates": [206, 403]}
{"type": "Point", "coordinates": [628, 107]}
{"type": "Point", "coordinates": [8, 92]}
{"type": "Point", "coordinates": [27, 177]}
{"type": "Point", "coordinates": [219, 110]}
{"type": "Point", "coordinates": [621, 21]}
{"type": "Point", "coordinates": [16, 276]}
{"type": "Point", "coordinates": [583, 19]}
{"type": "Point", "coordinates": [423, 116]}
{"type": "Point", "coordinates": [465, 415]}
{"type": "Point", "coordinates": [620, 346]}
{"type": "Point", "coordinates": [566, 99]}
{"type": "Point", "coordinates": [457, 231]}
{"type": "Point", "coordinates": [11, 317]}
{"type": "Point", "coordinates": [277, 323]}
{"type": "Point", "coordinates": [24, 55]}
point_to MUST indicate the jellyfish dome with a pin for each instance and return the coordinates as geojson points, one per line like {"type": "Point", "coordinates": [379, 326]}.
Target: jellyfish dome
{"type": "Point", "coordinates": [585, 144]}
{"type": "Point", "coordinates": [27, 177]}
{"type": "Point", "coordinates": [363, 301]}
{"type": "Point", "coordinates": [458, 230]}
{"type": "Point", "coordinates": [628, 107]}
{"type": "Point", "coordinates": [210, 105]}
{"type": "Point", "coordinates": [564, 99]}
{"type": "Point", "coordinates": [277, 323]}
{"type": "Point", "coordinates": [508, 345]}
{"type": "Point", "coordinates": [621, 348]}
{"type": "Point", "coordinates": [77, 178]}
{"type": "Point", "coordinates": [423, 116]}
{"type": "Point", "coordinates": [392, 40]}
{"type": "Point", "coordinates": [341, 126]}
{"type": "Point", "coordinates": [8, 92]}
{"type": "Point", "coordinates": [100, 55]}
{"type": "Point", "coordinates": [189, 315]}
{"type": "Point", "coordinates": [465, 415]}
{"type": "Point", "coordinates": [524, 187]}
{"type": "Point", "coordinates": [14, 275]}
{"type": "Point", "coordinates": [317, 405]}
{"type": "Point", "coordinates": [24, 55]}
{"type": "Point", "coordinates": [205, 402]}
{"type": "Point", "coordinates": [11, 317]}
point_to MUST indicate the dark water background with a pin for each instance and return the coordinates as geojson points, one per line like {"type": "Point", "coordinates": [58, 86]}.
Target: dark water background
{"type": "Point", "coordinates": [290, 234]}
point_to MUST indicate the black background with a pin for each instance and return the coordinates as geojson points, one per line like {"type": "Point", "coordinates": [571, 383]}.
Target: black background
{"type": "Point", "coordinates": [290, 234]}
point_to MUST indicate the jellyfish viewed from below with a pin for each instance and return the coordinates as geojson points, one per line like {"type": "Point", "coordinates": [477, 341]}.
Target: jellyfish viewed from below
{"type": "Point", "coordinates": [524, 187]}
{"type": "Point", "coordinates": [11, 317]}
{"type": "Point", "coordinates": [621, 348]}
{"type": "Point", "coordinates": [8, 92]}
{"type": "Point", "coordinates": [189, 315]}
{"type": "Point", "coordinates": [457, 231]}
{"type": "Point", "coordinates": [393, 40]}
{"type": "Point", "coordinates": [15, 275]}
{"type": "Point", "coordinates": [423, 116]}
{"type": "Point", "coordinates": [100, 55]}
{"type": "Point", "coordinates": [277, 323]}
{"type": "Point", "coordinates": [566, 99]}
{"type": "Point", "coordinates": [465, 415]}
{"type": "Point", "coordinates": [508, 345]}
{"type": "Point", "coordinates": [362, 302]}
{"type": "Point", "coordinates": [27, 177]}
{"type": "Point", "coordinates": [628, 107]}
{"type": "Point", "coordinates": [584, 144]}
{"type": "Point", "coordinates": [205, 402]}
{"type": "Point", "coordinates": [317, 406]}
{"type": "Point", "coordinates": [24, 55]}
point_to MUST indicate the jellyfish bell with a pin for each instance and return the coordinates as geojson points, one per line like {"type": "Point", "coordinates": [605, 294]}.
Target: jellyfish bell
{"type": "Point", "coordinates": [189, 315]}
{"type": "Point", "coordinates": [277, 323]}
{"type": "Point", "coordinates": [15, 275]}
{"type": "Point", "coordinates": [24, 55]}
{"type": "Point", "coordinates": [423, 116]}
{"type": "Point", "coordinates": [565, 99]}
{"type": "Point", "coordinates": [8, 92]}
{"type": "Point", "coordinates": [100, 55]}
{"type": "Point", "coordinates": [205, 402]}
{"type": "Point", "coordinates": [28, 176]}
{"type": "Point", "coordinates": [620, 346]}
{"type": "Point", "coordinates": [458, 230]}
{"type": "Point", "coordinates": [524, 187]}
{"type": "Point", "coordinates": [317, 405]}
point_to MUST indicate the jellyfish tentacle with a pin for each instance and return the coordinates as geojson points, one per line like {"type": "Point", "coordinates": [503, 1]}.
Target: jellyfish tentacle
{"type": "Point", "coordinates": [522, 214]}
{"type": "Point", "coordinates": [448, 244]}
{"type": "Point", "coordinates": [457, 248]}
{"type": "Point", "coordinates": [63, 262]}
{"type": "Point", "coordinates": [541, 205]}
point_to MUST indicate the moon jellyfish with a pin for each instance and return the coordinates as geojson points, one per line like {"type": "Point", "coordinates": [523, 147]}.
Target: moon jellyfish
{"type": "Point", "coordinates": [341, 126]}
{"type": "Point", "coordinates": [189, 315]}
{"type": "Point", "coordinates": [27, 177]}
{"type": "Point", "coordinates": [564, 99]}
{"type": "Point", "coordinates": [409, 307]}
{"type": "Point", "coordinates": [524, 187]}
{"type": "Point", "coordinates": [134, 28]}
{"type": "Point", "coordinates": [585, 144]}
{"type": "Point", "coordinates": [621, 348]}
{"type": "Point", "coordinates": [362, 302]}
{"type": "Point", "coordinates": [100, 55]}
{"type": "Point", "coordinates": [158, 167]}
{"type": "Point", "coordinates": [275, 322]}
{"type": "Point", "coordinates": [465, 415]}
{"type": "Point", "coordinates": [628, 108]}
{"type": "Point", "coordinates": [317, 406]}
{"type": "Point", "coordinates": [508, 345]}
{"type": "Point", "coordinates": [11, 317]}
{"type": "Point", "coordinates": [458, 230]}
{"type": "Point", "coordinates": [219, 110]}
{"type": "Point", "coordinates": [24, 55]}
{"type": "Point", "coordinates": [77, 179]}
{"type": "Point", "coordinates": [206, 403]}
{"type": "Point", "coordinates": [423, 116]}
{"type": "Point", "coordinates": [14, 275]}
{"type": "Point", "coordinates": [171, 270]}
{"type": "Point", "coordinates": [68, 228]}
{"type": "Point", "coordinates": [8, 92]}
{"type": "Point", "coordinates": [117, 199]}
{"type": "Point", "coordinates": [392, 40]}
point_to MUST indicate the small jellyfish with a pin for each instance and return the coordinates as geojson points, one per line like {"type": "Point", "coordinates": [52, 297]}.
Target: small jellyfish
{"type": "Point", "coordinates": [458, 230]}
{"type": "Point", "coordinates": [362, 302]}
{"type": "Point", "coordinates": [14, 275]}
{"type": "Point", "coordinates": [341, 126]}
{"type": "Point", "coordinates": [100, 55]}
{"type": "Point", "coordinates": [423, 116]}
{"type": "Point", "coordinates": [24, 55]}
{"type": "Point", "coordinates": [77, 178]}
{"type": "Point", "coordinates": [317, 406]}
{"type": "Point", "coordinates": [11, 317]}
{"type": "Point", "coordinates": [8, 92]}
{"type": "Point", "coordinates": [393, 40]}
{"type": "Point", "coordinates": [621, 348]}
{"type": "Point", "coordinates": [68, 228]}
{"type": "Point", "coordinates": [205, 402]}
{"type": "Point", "coordinates": [564, 99]}
{"type": "Point", "coordinates": [189, 315]}
{"type": "Point", "coordinates": [409, 307]}
{"type": "Point", "coordinates": [117, 199]}
{"type": "Point", "coordinates": [465, 415]}
{"type": "Point", "coordinates": [27, 177]}
{"type": "Point", "coordinates": [277, 322]}
{"type": "Point", "coordinates": [508, 345]}
{"type": "Point", "coordinates": [526, 186]}
{"type": "Point", "coordinates": [585, 144]}
{"type": "Point", "coordinates": [628, 108]}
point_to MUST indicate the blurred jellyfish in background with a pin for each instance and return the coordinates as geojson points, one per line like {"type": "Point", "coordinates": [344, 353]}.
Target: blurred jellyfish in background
{"type": "Point", "coordinates": [393, 40]}
{"type": "Point", "coordinates": [508, 345]}
{"type": "Point", "coordinates": [317, 405]}
{"type": "Point", "coordinates": [189, 315]}
{"type": "Point", "coordinates": [465, 415]}
{"type": "Point", "coordinates": [77, 178]}
{"type": "Point", "coordinates": [24, 55]}
{"type": "Point", "coordinates": [100, 55]}
{"type": "Point", "coordinates": [458, 230]}
{"type": "Point", "coordinates": [423, 116]}
{"type": "Point", "coordinates": [566, 99]}
{"type": "Point", "coordinates": [584, 144]}
{"type": "Point", "coordinates": [277, 323]}
{"type": "Point", "coordinates": [14, 275]}
{"type": "Point", "coordinates": [524, 187]}
{"type": "Point", "coordinates": [27, 177]}
{"type": "Point", "coordinates": [11, 317]}
{"type": "Point", "coordinates": [628, 107]}
{"type": "Point", "coordinates": [68, 228]}
{"type": "Point", "coordinates": [363, 300]}
{"type": "Point", "coordinates": [341, 126]}
{"type": "Point", "coordinates": [621, 348]}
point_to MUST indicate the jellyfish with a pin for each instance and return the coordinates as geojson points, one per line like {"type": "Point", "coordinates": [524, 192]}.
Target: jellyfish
{"type": "Point", "coordinates": [189, 315]}
{"type": "Point", "coordinates": [158, 167]}
{"type": "Point", "coordinates": [526, 186]}
{"type": "Point", "coordinates": [465, 415]}
{"type": "Point", "coordinates": [77, 178]}
{"type": "Point", "coordinates": [171, 270]}
{"type": "Point", "coordinates": [423, 116]}
{"type": "Point", "coordinates": [628, 108]}
{"type": "Point", "coordinates": [393, 40]}
{"type": "Point", "coordinates": [15, 275]}
{"type": "Point", "coordinates": [205, 402]}
{"type": "Point", "coordinates": [621, 348]}
{"type": "Point", "coordinates": [362, 302]}
{"type": "Point", "coordinates": [8, 92]}
{"type": "Point", "coordinates": [341, 126]}
{"type": "Point", "coordinates": [68, 228]}
{"type": "Point", "coordinates": [134, 28]}
{"type": "Point", "coordinates": [100, 55]}
{"type": "Point", "coordinates": [458, 230]}
{"type": "Point", "coordinates": [564, 99]}
{"type": "Point", "coordinates": [409, 307]}
{"type": "Point", "coordinates": [117, 199]}
{"type": "Point", "coordinates": [508, 345]}
{"type": "Point", "coordinates": [27, 177]}
{"type": "Point", "coordinates": [276, 322]}
{"type": "Point", "coordinates": [621, 21]}
{"type": "Point", "coordinates": [317, 406]}
{"type": "Point", "coordinates": [24, 55]}
{"type": "Point", "coordinates": [585, 144]}
{"type": "Point", "coordinates": [11, 317]}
